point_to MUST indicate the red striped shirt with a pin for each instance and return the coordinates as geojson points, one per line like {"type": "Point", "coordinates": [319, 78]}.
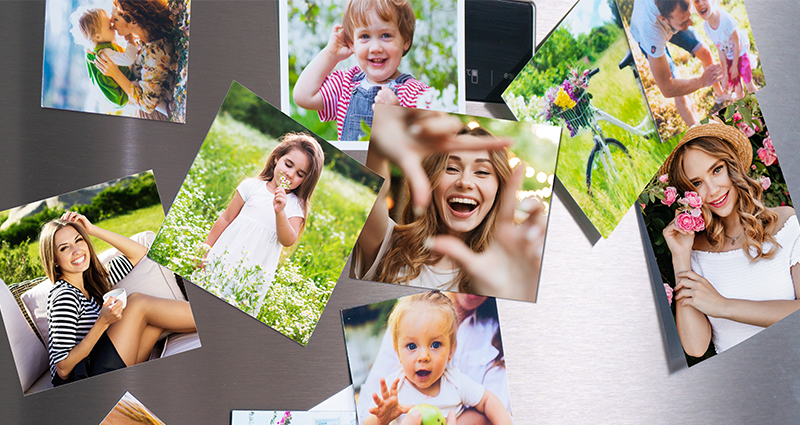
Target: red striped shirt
{"type": "Point", "coordinates": [337, 90]}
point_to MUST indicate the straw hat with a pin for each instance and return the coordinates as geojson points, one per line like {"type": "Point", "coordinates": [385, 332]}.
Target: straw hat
{"type": "Point", "coordinates": [735, 137]}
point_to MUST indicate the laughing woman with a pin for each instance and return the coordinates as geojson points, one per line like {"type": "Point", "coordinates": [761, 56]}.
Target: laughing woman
{"type": "Point", "coordinates": [740, 274]}
{"type": "Point", "coordinates": [462, 234]}
{"type": "Point", "coordinates": [89, 336]}
{"type": "Point", "coordinates": [464, 203]}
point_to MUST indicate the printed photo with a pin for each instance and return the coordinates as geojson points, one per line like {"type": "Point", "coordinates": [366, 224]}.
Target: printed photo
{"type": "Point", "coordinates": [130, 411]}
{"type": "Point", "coordinates": [465, 206]}
{"type": "Point", "coordinates": [724, 232]}
{"type": "Point", "coordinates": [267, 215]}
{"type": "Point", "coordinates": [438, 353]}
{"type": "Point", "coordinates": [120, 57]}
{"type": "Point", "coordinates": [268, 417]}
{"type": "Point", "coordinates": [77, 286]}
{"type": "Point", "coordinates": [694, 57]}
{"type": "Point", "coordinates": [578, 79]}
{"type": "Point", "coordinates": [340, 57]}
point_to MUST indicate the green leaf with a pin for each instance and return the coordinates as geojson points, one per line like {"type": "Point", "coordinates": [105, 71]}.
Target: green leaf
{"type": "Point", "coordinates": [747, 116]}
{"type": "Point", "coordinates": [729, 113]}
{"type": "Point", "coordinates": [366, 130]}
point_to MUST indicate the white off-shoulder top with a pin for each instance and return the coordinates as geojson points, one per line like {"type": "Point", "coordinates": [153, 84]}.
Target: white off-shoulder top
{"type": "Point", "coordinates": [733, 275]}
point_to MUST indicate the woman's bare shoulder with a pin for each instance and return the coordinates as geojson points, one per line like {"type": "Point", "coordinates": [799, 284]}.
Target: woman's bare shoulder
{"type": "Point", "coordinates": [784, 214]}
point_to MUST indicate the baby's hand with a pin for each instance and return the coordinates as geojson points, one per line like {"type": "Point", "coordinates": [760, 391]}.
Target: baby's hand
{"type": "Point", "coordinates": [387, 97]}
{"type": "Point", "coordinates": [387, 408]}
{"type": "Point", "coordinates": [336, 45]}
{"type": "Point", "coordinates": [279, 202]}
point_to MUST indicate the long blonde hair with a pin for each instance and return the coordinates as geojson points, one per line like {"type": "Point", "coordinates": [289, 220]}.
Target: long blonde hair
{"type": "Point", "coordinates": [407, 255]}
{"type": "Point", "coordinates": [95, 278]}
{"type": "Point", "coordinates": [758, 221]}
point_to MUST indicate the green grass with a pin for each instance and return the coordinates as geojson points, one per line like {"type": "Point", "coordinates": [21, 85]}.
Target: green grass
{"type": "Point", "coordinates": [615, 92]}
{"type": "Point", "coordinates": [307, 272]}
{"type": "Point", "coordinates": [148, 218]}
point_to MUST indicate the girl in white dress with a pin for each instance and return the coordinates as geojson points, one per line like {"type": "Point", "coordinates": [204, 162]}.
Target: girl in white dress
{"type": "Point", "coordinates": [740, 274]}
{"type": "Point", "coordinates": [267, 213]}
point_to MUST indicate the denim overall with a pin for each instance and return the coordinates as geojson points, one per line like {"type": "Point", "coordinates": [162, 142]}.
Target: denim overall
{"type": "Point", "coordinates": [360, 107]}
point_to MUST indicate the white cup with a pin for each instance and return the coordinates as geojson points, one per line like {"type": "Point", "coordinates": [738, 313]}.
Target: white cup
{"type": "Point", "coordinates": [119, 294]}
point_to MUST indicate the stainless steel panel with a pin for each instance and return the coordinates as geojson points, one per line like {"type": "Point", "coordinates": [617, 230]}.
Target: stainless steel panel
{"type": "Point", "coordinates": [590, 351]}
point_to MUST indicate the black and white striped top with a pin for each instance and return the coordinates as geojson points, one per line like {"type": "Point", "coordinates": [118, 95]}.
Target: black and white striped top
{"type": "Point", "coordinates": [70, 315]}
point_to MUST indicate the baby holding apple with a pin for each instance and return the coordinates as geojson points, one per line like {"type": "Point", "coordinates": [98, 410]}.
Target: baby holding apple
{"type": "Point", "coordinates": [423, 328]}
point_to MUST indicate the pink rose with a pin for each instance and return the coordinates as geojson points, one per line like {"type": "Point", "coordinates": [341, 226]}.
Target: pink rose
{"type": "Point", "coordinates": [746, 129]}
{"type": "Point", "coordinates": [768, 143]}
{"type": "Point", "coordinates": [662, 178]}
{"type": "Point", "coordinates": [693, 199]}
{"type": "Point", "coordinates": [699, 223]}
{"type": "Point", "coordinates": [686, 222]}
{"type": "Point", "coordinates": [765, 182]}
{"type": "Point", "coordinates": [670, 195]}
{"type": "Point", "coordinates": [668, 289]}
{"type": "Point", "coordinates": [767, 155]}
{"type": "Point", "coordinates": [737, 117]}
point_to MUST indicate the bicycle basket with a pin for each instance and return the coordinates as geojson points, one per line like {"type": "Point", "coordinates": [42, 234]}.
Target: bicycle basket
{"type": "Point", "coordinates": [580, 117]}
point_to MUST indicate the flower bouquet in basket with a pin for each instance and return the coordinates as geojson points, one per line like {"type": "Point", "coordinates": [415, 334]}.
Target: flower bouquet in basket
{"type": "Point", "coordinates": [569, 102]}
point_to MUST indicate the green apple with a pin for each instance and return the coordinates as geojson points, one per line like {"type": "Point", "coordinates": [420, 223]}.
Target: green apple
{"type": "Point", "coordinates": [431, 415]}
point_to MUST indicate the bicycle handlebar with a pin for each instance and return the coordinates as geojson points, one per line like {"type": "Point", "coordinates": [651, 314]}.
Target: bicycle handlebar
{"type": "Point", "coordinates": [592, 73]}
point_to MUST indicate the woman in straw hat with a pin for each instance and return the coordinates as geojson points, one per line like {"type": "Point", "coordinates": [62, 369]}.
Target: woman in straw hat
{"type": "Point", "coordinates": [740, 274]}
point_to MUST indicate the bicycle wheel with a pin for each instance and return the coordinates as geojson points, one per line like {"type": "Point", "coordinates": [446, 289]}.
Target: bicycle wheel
{"type": "Point", "coordinates": [607, 160]}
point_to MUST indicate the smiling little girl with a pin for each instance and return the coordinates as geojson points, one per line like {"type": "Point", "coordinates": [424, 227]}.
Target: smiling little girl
{"type": "Point", "coordinates": [267, 212]}
{"type": "Point", "coordinates": [423, 328]}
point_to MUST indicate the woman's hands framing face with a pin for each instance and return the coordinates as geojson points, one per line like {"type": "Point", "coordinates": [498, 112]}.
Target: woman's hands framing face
{"type": "Point", "coordinates": [510, 267]}
{"type": "Point", "coordinates": [405, 136]}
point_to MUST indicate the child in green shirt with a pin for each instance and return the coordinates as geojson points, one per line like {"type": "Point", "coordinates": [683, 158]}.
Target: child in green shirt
{"type": "Point", "coordinates": [91, 28]}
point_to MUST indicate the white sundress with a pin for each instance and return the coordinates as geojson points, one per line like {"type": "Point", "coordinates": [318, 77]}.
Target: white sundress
{"type": "Point", "coordinates": [251, 239]}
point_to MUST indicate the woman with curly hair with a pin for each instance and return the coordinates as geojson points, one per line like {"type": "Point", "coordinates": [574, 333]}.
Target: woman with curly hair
{"type": "Point", "coordinates": [472, 201]}
{"type": "Point", "coordinates": [146, 23]}
{"type": "Point", "coordinates": [740, 274]}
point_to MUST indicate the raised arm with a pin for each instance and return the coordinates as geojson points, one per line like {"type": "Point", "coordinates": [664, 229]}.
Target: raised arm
{"type": "Point", "coordinates": [307, 89]}
{"type": "Point", "coordinates": [371, 237]}
{"type": "Point", "coordinates": [134, 251]}
{"type": "Point", "coordinates": [674, 87]}
{"type": "Point", "coordinates": [286, 227]}
{"type": "Point", "coordinates": [694, 328]}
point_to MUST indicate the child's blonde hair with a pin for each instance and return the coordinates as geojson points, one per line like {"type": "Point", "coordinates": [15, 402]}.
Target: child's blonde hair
{"type": "Point", "coordinates": [433, 300]}
{"type": "Point", "coordinates": [356, 14]}
{"type": "Point", "coordinates": [308, 145]}
{"type": "Point", "coordinates": [86, 24]}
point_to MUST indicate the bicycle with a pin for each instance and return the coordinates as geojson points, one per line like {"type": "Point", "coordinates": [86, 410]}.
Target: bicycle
{"type": "Point", "coordinates": [605, 148]}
